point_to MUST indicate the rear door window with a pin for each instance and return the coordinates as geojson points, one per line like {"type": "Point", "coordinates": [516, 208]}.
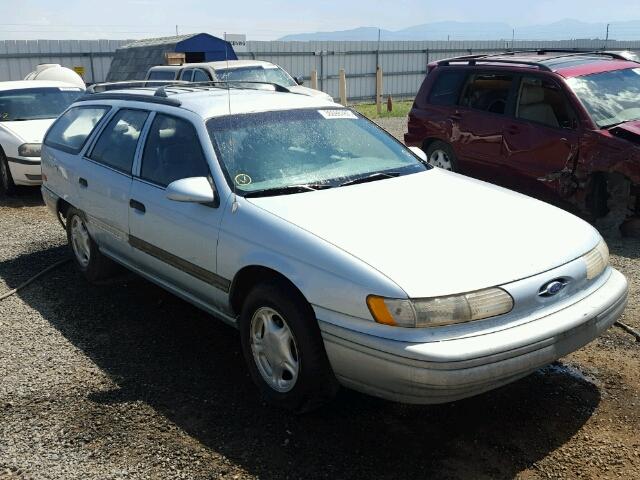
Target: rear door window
{"type": "Point", "coordinates": [73, 127]}
{"type": "Point", "coordinates": [186, 74]}
{"type": "Point", "coordinates": [488, 92]}
{"type": "Point", "coordinates": [446, 87]}
{"type": "Point", "coordinates": [117, 143]}
{"type": "Point", "coordinates": [172, 152]}
{"type": "Point", "coordinates": [200, 76]}
{"type": "Point", "coordinates": [542, 101]}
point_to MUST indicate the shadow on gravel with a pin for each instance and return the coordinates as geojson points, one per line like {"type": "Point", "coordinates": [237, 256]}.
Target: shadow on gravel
{"type": "Point", "coordinates": [24, 197]}
{"type": "Point", "coordinates": [189, 368]}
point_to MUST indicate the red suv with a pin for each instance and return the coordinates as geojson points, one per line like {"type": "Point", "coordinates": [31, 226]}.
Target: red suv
{"type": "Point", "coordinates": [560, 126]}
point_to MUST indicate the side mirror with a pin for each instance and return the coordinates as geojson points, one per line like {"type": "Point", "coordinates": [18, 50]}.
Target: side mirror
{"type": "Point", "coordinates": [299, 80]}
{"type": "Point", "coordinates": [193, 190]}
{"type": "Point", "coordinates": [418, 152]}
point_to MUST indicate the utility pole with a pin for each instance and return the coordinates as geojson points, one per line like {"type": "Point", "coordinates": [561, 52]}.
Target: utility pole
{"type": "Point", "coordinates": [513, 37]}
{"type": "Point", "coordinates": [176, 30]}
{"type": "Point", "coordinates": [606, 38]}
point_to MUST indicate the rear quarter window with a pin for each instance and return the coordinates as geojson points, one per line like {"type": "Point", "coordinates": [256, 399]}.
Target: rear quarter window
{"type": "Point", "coordinates": [161, 75]}
{"type": "Point", "coordinates": [71, 130]}
{"type": "Point", "coordinates": [446, 87]}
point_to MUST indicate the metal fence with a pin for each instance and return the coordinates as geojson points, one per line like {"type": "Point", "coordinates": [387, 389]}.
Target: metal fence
{"type": "Point", "coordinates": [403, 62]}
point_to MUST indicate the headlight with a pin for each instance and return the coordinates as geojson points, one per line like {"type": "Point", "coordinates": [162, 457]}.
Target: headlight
{"type": "Point", "coordinates": [437, 311]}
{"type": "Point", "coordinates": [597, 259]}
{"type": "Point", "coordinates": [29, 149]}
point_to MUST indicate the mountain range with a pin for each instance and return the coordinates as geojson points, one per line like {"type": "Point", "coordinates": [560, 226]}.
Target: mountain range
{"type": "Point", "coordinates": [567, 29]}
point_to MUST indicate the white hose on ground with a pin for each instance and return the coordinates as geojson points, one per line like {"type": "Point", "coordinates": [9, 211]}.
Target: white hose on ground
{"type": "Point", "coordinates": [35, 277]}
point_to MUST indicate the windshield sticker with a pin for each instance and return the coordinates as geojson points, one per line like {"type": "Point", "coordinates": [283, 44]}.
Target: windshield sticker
{"type": "Point", "coordinates": [243, 179]}
{"type": "Point", "coordinates": [69, 89]}
{"type": "Point", "coordinates": [335, 114]}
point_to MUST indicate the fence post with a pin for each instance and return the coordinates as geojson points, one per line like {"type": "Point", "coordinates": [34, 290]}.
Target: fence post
{"type": "Point", "coordinates": [379, 90]}
{"type": "Point", "coordinates": [314, 79]}
{"type": "Point", "coordinates": [343, 87]}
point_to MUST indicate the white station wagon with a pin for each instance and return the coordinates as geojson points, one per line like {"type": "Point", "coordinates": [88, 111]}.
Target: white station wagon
{"type": "Point", "coordinates": [340, 255]}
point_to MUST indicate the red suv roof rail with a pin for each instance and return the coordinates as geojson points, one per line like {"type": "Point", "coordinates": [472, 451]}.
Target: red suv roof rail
{"type": "Point", "coordinates": [486, 59]}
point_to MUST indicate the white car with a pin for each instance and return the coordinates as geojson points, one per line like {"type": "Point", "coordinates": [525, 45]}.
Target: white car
{"type": "Point", "coordinates": [27, 109]}
{"type": "Point", "coordinates": [340, 254]}
{"type": "Point", "coordinates": [234, 71]}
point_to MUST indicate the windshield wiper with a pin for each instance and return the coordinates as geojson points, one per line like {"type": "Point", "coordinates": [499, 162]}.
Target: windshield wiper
{"type": "Point", "coordinates": [371, 178]}
{"type": "Point", "coordinates": [288, 189]}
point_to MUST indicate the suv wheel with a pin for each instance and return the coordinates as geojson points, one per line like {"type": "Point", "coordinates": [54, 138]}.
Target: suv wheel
{"type": "Point", "coordinates": [7, 187]}
{"type": "Point", "coordinates": [440, 154]}
{"type": "Point", "coordinates": [86, 255]}
{"type": "Point", "coordinates": [283, 348]}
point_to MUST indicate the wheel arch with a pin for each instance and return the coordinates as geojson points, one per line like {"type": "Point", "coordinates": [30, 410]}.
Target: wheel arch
{"type": "Point", "coordinates": [251, 275]}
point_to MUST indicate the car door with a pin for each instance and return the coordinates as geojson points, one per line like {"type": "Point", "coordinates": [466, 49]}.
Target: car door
{"type": "Point", "coordinates": [175, 241]}
{"type": "Point", "coordinates": [104, 179]}
{"type": "Point", "coordinates": [541, 140]}
{"type": "Point", "coordinates": [479, 121]}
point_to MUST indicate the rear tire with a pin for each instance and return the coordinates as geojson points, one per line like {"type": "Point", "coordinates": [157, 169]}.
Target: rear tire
{"type": "Point", "coordinates": [85, 252]}
{"type": "Point", "coordinates": [283, 348]}
{"type": "Point", "coordinates": [441, 154]}
{"type": "Point", "coordinates": [7, 186]}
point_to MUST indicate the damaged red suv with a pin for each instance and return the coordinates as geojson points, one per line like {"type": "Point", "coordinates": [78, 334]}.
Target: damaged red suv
{"type": "Point", "coordinates": [560, 126]}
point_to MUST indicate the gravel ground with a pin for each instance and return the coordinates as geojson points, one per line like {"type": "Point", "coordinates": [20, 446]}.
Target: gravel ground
{"type": "Point", "coordinates": [124, 380]}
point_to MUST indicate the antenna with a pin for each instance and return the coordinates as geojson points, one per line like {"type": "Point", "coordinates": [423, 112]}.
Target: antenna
{"type": "Point", "coordinates": [234, 203]}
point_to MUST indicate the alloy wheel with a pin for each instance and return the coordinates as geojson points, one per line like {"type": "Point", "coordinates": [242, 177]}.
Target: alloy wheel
{"type": "Point", "coordinates": [439, 158]}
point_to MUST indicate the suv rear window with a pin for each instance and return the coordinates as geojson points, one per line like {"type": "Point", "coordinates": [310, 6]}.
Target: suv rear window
{"type": "Point", "coordinates": [162, 75]}
{"type": "Point", "coordinates": [70, 131]}
{"type": "Point", "coordinates": [446, 88]}
{"type": "Point", "coordinates": [488, 92]}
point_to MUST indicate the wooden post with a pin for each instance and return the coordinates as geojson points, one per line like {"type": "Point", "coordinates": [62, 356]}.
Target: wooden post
{"type": "Point", "coordinates": [379, 90]}
{"type": "Point", "coordinates": [343, 87]}
{"type": "Point", "coordinates": [314, 79]}
{"type": "Point", "coordinates": [389, 104]}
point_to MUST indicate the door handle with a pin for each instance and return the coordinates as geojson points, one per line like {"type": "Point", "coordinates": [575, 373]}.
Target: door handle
{"type": "Point", "coordinates": [83, 182]}
{"type": "Point", "coordinates": [136, 205]}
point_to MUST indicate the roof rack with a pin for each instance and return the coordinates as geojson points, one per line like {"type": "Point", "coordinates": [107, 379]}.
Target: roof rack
{"type": "Point", "coordinates": [138, 97]}
{"type": "Point", "coordinates": [488, 59]}
{"type": "Point", "coordinates": [570, 52]}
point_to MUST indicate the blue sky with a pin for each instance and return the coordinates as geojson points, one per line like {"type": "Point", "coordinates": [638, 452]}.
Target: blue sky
{"type": "Point", "coordinates": [270, 19]}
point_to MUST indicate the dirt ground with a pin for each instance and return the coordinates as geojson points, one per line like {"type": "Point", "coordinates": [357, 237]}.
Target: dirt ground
{"type": "Point", "coordinates": [125, 380]}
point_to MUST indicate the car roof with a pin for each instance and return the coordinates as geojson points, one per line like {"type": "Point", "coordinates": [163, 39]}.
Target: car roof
{"type": "Point", "coordinates": [22, 84]}
{"type": "Point", "coordinates": [567, 64]}
{"type": "Point", "coordinates": [210, 102]}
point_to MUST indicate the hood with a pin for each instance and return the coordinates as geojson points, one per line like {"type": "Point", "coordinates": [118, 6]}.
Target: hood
{"type": "Point", "coordinates": [438, 233]}
{"type": "Point", "coordinates": [310, 92]}
{"type": "Point", "coordinates": [29, 131]}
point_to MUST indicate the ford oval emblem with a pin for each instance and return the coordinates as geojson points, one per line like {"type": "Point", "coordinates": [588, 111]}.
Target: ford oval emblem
{"type": "Point", "coordinates": [552, 288]}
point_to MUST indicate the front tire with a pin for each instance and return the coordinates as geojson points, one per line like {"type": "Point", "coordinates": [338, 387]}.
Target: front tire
{"type": "Point", "coordinates": [86, 254]}
{"type": "Point", "coordinates": [441, 154]}
{"type": "Point", "coordinates": [283, 348]}
{"type": "Point", "coordinates": [7, 186]}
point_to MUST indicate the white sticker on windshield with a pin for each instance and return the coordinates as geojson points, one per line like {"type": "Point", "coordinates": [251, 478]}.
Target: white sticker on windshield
{"type": "Point", "coordinates": [333, 114]}
{"type": "Point", "coordinates": [69, 89]}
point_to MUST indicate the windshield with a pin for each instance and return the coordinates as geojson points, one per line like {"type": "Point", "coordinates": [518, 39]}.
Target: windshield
{"type": "Point", "coordinates": [35, 103]}
{"type": "Point", "coordinates": [310, 148]}
{"type": "Point", "coordinates": [256, 74]}
{"type": "Point", "coordinates": [610, 97]}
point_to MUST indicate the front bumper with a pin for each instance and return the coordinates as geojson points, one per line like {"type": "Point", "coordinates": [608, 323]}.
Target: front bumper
{"type": "Point", "coordinates": [25, 171]}
{"type": "Point", "coordinates": [439, 372]}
